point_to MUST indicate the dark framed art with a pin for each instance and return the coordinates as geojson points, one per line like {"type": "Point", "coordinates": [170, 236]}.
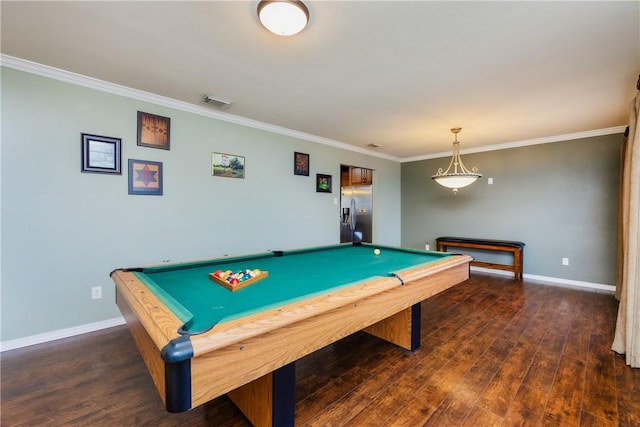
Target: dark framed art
{"type": "Point", "coordinates": [227, 165]}
{"type": "Point", "coordinates": [323, 183]}
{"type": "Point", "coordinates": [101, 154]}
{"type": "Point", "coordinates": [300, 164]}
{"type": "Point", "coordinates": [154, 131]}
{"type": "Point", "coordinates": [145, 177]}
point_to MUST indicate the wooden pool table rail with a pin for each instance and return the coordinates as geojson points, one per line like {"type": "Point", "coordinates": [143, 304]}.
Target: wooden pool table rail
{"type": "Point", "coordinates": [239, 352]}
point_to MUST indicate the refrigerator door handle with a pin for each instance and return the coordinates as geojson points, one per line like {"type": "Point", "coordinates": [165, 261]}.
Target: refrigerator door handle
{"type": "Point", "coordinates": [353, 214]}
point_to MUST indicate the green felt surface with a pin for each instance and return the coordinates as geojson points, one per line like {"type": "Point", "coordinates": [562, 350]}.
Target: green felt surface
{"type": "Point", "coordinates": [187, 290]}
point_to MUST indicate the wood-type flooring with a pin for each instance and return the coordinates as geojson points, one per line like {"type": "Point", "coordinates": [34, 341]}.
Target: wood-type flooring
{"type": "Point", "coordinates": [494, 352]}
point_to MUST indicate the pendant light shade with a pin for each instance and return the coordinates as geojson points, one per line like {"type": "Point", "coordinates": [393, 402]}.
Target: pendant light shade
{"type": "Point", "coordinates": [283, 17]}
{"type": "Point", "coordinates": [456, 176]}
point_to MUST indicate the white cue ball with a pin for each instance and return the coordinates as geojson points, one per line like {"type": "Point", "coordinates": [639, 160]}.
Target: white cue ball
{"type": "Point", "coordinates": [376, 251]}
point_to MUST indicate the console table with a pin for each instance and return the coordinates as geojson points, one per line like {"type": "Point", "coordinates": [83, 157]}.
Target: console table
{"type": "Point", "coordinates": [516, 248]}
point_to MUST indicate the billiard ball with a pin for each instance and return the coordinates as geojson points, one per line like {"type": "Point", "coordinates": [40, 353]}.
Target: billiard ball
{"type": "Point", "coordinates": [376, 251]}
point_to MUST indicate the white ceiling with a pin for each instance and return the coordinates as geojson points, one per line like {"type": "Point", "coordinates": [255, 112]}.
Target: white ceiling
{"type": "Point", "coordinates": [398, 74]}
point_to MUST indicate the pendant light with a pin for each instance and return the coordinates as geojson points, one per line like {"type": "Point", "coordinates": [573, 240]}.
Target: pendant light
{"type": "Point", "coordinates": [456, 176]}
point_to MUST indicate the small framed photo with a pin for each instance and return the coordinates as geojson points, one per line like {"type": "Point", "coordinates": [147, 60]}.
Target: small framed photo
{"type": "Point", "coordinates": [154, 131]}
{"type": "Point", "coordinates": [145, 177]}
{"type": "Point", "coordinates": [101, 154]}
{"type": "Point", "coordinates": [300, 164]}
{"type": "Point", "coordinates": [227, 165]}
{"type": "Point", "coordinates": [323, 183]}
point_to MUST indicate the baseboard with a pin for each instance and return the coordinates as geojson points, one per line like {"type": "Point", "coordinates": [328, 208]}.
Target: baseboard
{"type": "Point", "coordinates": [554, 280]}
{"type": "Point", "coordinates": [92, 327]}
{"type": "Point", "coordinates": [59, 334]}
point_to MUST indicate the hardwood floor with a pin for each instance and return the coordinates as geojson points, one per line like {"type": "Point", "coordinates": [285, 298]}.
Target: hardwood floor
{"type": "Point", "coordinates": [494, 352]}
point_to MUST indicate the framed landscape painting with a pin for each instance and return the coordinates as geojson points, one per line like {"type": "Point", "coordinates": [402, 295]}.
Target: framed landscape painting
{"type": "Point", "coordinates": [227, 165]}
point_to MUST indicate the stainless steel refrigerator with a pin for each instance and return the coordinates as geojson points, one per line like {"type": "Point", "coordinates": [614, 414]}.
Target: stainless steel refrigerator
{"type": "Point", "coordinates": [357, 209]}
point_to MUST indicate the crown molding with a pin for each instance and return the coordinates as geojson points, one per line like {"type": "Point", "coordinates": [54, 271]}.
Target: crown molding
{"type": "Point", "coordinates": [524, 143]}
{"type": "Point", "coordinates": [116, 89]}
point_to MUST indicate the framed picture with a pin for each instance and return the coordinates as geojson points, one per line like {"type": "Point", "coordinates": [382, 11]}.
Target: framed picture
{"type": "Point", "coordinates": [300, 164]}
{"type": "Point", "coordinates": [323, 183]}
{"type": "Point", "coordinates": [101, 154]}
{"type": "Point", "coordinates": [154, 131]}
{"type": "Point", "coordinates": [227, 165]}
{"type": "Point", "coordinates": [145, 177]}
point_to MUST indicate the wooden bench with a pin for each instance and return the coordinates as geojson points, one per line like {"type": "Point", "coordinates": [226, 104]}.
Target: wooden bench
{"type": "Point", "coordinates": [516, 248]}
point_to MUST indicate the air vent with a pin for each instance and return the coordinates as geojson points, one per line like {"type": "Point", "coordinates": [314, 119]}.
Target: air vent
{"type": "Point", "coordinates": [220, 103]}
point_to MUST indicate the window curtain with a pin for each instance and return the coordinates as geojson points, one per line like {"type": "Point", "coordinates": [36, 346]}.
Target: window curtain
{"type": "Point", "coordinates": [627, 335]}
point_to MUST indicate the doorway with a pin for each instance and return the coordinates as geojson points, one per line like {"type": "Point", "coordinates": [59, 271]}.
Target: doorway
{"type": "Point", "coordinates": [356, 204]}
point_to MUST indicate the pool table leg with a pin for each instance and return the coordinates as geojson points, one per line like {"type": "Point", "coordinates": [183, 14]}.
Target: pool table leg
{"type": "Point", "coordinates": [401, 329]}
{"type": "Point", "coordinates": [269, 400]}
{"type": "Point", "coordinates": [416, 324]}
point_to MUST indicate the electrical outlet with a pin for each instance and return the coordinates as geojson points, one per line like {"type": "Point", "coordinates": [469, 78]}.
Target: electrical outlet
{"type": "Point", "coordinates": [565, 261]}
{"type": "Point", "coordinates": [96, 292]}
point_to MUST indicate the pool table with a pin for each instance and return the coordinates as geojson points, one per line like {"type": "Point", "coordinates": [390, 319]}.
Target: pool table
{"type": "Point", "coordinates": [201, 340]}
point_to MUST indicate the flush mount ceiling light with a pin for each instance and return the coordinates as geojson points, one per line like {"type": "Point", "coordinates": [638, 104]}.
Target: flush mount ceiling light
{"type": "Point", "coordinates": [283, 17]}
{"type": "Point", "coordinates": [456, 176]}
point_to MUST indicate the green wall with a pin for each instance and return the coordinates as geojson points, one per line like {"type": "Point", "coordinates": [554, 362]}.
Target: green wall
{"type": "Point", "coordinates": [561, 199]}
{"type": "Point", "coordinates": [64, 231]}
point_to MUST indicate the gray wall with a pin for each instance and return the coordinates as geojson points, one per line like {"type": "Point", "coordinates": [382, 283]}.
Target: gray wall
{"type": "Point", "coordinates": [64, 231]}
{"type": "Point", "coordinates": [561, 199]}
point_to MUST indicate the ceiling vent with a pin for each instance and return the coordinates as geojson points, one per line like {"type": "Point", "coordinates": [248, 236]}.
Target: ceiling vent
{"type": "Point", "coordinates": [220, 103]}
